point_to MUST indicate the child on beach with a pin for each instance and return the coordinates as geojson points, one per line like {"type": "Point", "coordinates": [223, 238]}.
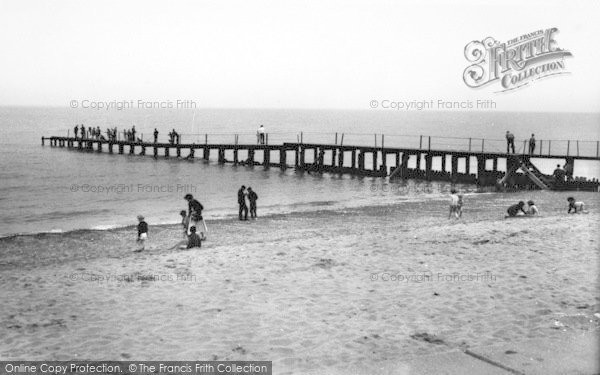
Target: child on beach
{"type": "Point", "coordinates": [194, 240]}
{"type": "Point", "coordinates": [185, 222]}
{"type": "Point", "coordinates": [142, 234]}
{"type": "Point", "coordinates": [516, 209]}
{"type": "Point", "coordinates": [454, 204]}
{"type": "Point", "coordinates": [576, 207]}
{"type": "Point", "coordinates": [460, 204]}
{"type": "Point", "coordinates": [532, 210]}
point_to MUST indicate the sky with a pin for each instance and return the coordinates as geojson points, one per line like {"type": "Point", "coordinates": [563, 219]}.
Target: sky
{"type": "Point", "coordinates": [284, 54]}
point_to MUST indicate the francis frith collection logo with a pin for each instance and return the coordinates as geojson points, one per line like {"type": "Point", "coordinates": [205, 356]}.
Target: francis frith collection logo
{"type": "Point", "coordinates": [515, 63]}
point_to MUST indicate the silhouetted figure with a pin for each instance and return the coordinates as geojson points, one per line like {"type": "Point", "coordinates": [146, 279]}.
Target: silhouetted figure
{"type": "Point", "coordinates": [82, 131]}
{"type": "Point", "coordinates": [242, 203]}
{"type": "Point", "coordinates": [532, 144]}
{"type": "Point", "coordinates": [510, 142]}
{"type": "Point", "coordinates": [155, 135]}
{"type": "Point", "coordinates": [559, 174]}
{"type": "Point", "coordinates": [133, 139]}
{"type": "Point", "coordinates": [252, 197]}
{"type": "Point", "coordinates": [75, 130]}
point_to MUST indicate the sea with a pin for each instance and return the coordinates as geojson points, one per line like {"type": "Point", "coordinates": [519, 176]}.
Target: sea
{"type": "Point", "coordinates": [54, 190]}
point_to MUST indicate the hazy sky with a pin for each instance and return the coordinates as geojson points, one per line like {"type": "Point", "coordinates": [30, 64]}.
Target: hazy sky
{"type": "Point", "coordinates": [282, 54]}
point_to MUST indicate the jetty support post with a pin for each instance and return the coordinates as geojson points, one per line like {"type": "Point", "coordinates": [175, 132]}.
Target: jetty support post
{"type": "Point", "coordinates": [282, 158]}
{"type": "Point", "coordinates": [428, 166]}
{"type": "Point", "coordinates": [480, 169]}
{"type": "Point", "coordinates": [266, 157]}
{"type": "Point", "coordinates": [443, 163]}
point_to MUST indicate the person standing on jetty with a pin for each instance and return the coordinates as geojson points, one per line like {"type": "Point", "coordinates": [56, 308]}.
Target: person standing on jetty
{"type": "Point", "coordinates": [133, 139]}
{"type": "Point", "coordinates": [242, 203]}
{"type": "Point", "coordinates": [510, 142]}
{"type": "Point", "coordinates": [195, 214]}
{"type": "Point", "coordinates": [532, 144]}
{"type": "Point", "coordinates": [75, 130]}
{"type": "Point", "coordinates": [155, 135]}
{"type": "Point", "coordinates": [261, 135]}
{"type": "Point", "coordinates": [82, 131]}
{"type": "Point", "coordinates": [252, 198]}
{"type": "Point", "coordinates": [142, 234]}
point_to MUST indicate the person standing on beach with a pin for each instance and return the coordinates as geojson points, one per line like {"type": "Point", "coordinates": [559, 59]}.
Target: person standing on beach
{"type": "Point", "coordinates": [532, 144]}
{"type": "Point", "coordinates": [195, 214]}
{"type": "Point", "coordinates": [185, 222]}
{"type": "Point", "coordinates": [252, 198]}
{"type": "Point", "coordinates": [510, 142]}
{"type": "Point", "coordinates": [453, 204]}
{"type": "Point", "coordinates": [142, 234]}
{"type": "Point", "coordinates": [155, 135]}
{"type": "Point", "coordinates": [242, 203]}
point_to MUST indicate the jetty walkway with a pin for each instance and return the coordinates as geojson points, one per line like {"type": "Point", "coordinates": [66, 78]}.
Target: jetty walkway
{"type": "Point", "coordinates": [458, 160]}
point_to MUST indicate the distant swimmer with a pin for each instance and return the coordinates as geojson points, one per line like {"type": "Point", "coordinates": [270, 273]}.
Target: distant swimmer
{"type": "Point", "coordinates": [194, 240]}
{"type": "Point", "coordinates": [454, 204]}
{"type": "Point", "coordinates": [516, 209]}
{"type": "Point", "coordinates": [252, 197]}
{"type": "Point", "coordinates": [532, 210]}
{"type": "Point", "coordinates": [576, 207]}
{"type": "Point", "coordinates": [142, 234]}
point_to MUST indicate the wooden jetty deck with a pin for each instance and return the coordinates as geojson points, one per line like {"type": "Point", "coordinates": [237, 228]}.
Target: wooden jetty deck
{"type": "Point", "coordinates": [392, 162]}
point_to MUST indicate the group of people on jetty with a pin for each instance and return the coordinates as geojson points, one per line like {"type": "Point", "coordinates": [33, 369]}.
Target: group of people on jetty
{"type": "Point", "coordinates": [79, 131]}
{"type": "Point", "coordinates": [192, 221]}
{"type": "Point", "coordinates": [129, 135]}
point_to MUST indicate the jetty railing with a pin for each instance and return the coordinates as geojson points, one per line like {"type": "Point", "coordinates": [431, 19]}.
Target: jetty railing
{"type": "Point", "coordinates": [543, 147]}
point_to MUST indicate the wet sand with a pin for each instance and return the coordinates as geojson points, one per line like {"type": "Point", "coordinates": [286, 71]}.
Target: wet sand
{"type": "Point", "coordinates": [318, 292]}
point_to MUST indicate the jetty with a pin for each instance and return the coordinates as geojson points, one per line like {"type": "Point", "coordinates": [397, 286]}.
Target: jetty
{"type": "Point", "coordinates": [456, 160]}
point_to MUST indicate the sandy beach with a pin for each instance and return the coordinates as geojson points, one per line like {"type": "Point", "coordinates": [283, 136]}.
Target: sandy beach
{"type": "Point", "coordinates": [318, 292]}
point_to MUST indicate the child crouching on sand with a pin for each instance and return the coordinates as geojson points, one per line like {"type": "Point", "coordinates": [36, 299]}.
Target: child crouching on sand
{"type": "Point", "coordinates": [142, 234]}
{"type": "Point", "coordinates": [194, 239]}
{"type": "Point", "coordinates": [576, 207]}
{"type": "Point", "coordinates": [532, 210]}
